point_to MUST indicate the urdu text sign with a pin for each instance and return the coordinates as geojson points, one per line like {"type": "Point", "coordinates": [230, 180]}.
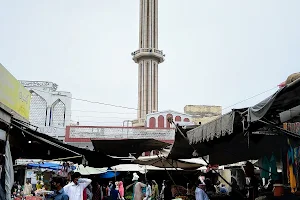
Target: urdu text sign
{"type": "Point", "coordinates": [13, 94]}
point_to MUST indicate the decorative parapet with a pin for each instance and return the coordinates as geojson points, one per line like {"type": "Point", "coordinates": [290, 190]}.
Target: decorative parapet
{"type": "Point", "coordinates": [42, 84]}
{"type": "Point", "coordinates": [107, 133]}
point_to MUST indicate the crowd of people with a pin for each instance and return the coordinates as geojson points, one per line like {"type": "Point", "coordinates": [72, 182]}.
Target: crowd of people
{"type": "Point", "coordinates": [78, 188]}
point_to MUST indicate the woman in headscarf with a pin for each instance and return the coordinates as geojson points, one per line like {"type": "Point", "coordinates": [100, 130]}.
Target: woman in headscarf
{"type": "Point", "coordinates": [155, 192]}
{"type": "Point", "coordinates": [121, 189]}
{"type": "Point", "coordinates": [137, 188]}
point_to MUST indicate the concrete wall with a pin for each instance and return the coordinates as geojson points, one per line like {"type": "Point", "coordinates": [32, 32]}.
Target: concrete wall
{"type": "Point", "coordinates": [203, 113]}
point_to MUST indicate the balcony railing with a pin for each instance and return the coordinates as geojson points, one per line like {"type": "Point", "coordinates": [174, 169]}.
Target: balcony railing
{"type": "Point", "coordinates": [147, 50]}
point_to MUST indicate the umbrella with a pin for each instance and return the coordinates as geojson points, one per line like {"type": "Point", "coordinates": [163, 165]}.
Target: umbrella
{"type": "Point", "coordinates": [89, 170]}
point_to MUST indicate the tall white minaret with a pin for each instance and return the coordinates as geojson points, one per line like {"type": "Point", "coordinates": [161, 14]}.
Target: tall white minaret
{"type": "Point", "coordinates": [148, 57]}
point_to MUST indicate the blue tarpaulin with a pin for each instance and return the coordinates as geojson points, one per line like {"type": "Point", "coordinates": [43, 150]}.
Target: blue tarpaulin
{"type": "Point", "coordinates": [109, 174]}
{"type": "Point", "coordinates": [46, 165]}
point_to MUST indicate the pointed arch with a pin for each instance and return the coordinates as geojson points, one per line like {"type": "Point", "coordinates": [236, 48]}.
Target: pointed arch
{"type": "Point", "coordinates": [177, 119]}
{"type": "Point", "coordinates": [161, 121]}
{"type": "Point", "coordinates": [152, 122]}
{"type": "Point", "coordinates": [38, 110]}
{"type": "Point", "coordinates": [58, 114]}
{"type": "Point", "coordinates": [186, 120]}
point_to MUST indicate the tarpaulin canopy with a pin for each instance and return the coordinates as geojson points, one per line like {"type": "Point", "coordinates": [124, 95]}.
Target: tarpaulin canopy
{"type": "Point", "coordinates": [86, 170]}
{"type": "Point", "coordinates": [247, 134]}
{"type": "Point", "coordinates": [28, 143]}
{"type": "Point", "coordinates": [223, 126]}
{"type": "Point", "coordinates": [129, 146]}
{"type": "Point", "coordinates": [181, 147]}
{"type": "Point", "coordinates": [46, 165]}
{"type": "Point", "coordinates": [161, 160]}
{"type": "Point", "coordinates": [285, 98]}
{"type": "Point", "coordinates": [135, 168]}
{"type": "Point", "coordinates": [109, 174]}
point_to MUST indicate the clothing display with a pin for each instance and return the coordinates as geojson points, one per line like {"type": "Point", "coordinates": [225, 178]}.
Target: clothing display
{"type": "Point", "coordinates": [293, 158]}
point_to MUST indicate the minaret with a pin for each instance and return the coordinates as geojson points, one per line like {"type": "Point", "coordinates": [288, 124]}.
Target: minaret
{"type": "Point", "coordinates": [148, 57]}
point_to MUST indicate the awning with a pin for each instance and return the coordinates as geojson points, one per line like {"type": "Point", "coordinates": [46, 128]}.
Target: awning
{"type": "Point", "coordinates": [181, 147]}
{"type": "Point", "coordinates": [87, 170]}
{"type": "Point", "coordinates": [28, 143]}
{"type": "Point", "coordinates": [134, 168]}
{"type": "Point", "coordinates": [222, 126]}
{"type": "Point", "coordinates": [47, 165]}
{"type": "Point", "coordinates": [161, 160]}
{"type": "Point", "coordinates": [128, 147]}
{"type": "Point", "coordinates": [282, 100]}
{"type": "Point", "coordinates": [230, 138]}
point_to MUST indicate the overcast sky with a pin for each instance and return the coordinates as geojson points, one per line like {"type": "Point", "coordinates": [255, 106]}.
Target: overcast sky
{"type": "Point", "coordinates": [217, 52]}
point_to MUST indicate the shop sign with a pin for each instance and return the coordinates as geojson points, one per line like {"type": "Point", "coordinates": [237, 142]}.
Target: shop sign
{"type": "Point", "coordinates": [13, 94]}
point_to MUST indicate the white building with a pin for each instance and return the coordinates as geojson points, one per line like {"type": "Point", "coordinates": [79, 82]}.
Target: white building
{"type": "Point", "coordinates": [50, 110]}
{"type": "Point", "coordinates": [160, 119]}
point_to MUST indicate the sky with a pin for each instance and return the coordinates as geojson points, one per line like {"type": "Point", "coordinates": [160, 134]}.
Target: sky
{"type": "Point", "coordinates": [217, 52]}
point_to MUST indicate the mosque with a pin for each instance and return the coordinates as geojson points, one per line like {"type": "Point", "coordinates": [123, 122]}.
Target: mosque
{"type": "Point", "coordinates": [54, 106]}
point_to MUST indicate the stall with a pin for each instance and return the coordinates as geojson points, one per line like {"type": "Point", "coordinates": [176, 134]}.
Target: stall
{"type": "Point", "coordinates": [249, 133]}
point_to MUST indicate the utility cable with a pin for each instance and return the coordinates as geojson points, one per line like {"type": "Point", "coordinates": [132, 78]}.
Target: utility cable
{"type": "Point", "coordinates": [131, 108]}
{"type": "Point", "coordinates": [249, 98]}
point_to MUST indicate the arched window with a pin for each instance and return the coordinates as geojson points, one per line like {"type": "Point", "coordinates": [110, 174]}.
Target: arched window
{"type": "Point", "coordinates": [152, 122]}
{"type": "Point", "coordinates": [58, 114]}
{"type": "Point", "coordinates": [161, 121]}
{"type": "Point", "coordinates": [186, 120]}
{"type": "Point", "coordinates": [177, 119]}
{"type": "Point", "coordinates": [38, 110]}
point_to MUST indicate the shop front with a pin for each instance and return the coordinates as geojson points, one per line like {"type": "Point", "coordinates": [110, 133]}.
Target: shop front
{"type": "Point", "coordinates": [14, 102]}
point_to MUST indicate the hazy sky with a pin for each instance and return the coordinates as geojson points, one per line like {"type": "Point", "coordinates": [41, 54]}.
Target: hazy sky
{"type": "Point", "coordinates": [217, 52]}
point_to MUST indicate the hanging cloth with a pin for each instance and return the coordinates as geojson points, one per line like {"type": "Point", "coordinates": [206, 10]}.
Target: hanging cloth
{"type": "Point", "coordinates": [292, 178]}
{"type": "Point", "coordinates": [9, 171]}
{"type": "Point", "coordinates": [290, 166]}
{"type": "Point", "coordinates": [273, 167]}
{"type": "Point", "coordinates": [265, 168]}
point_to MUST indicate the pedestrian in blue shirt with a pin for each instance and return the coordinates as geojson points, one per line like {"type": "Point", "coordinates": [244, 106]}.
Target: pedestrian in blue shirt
{"type": "Point", "coordinates": [58, 184]}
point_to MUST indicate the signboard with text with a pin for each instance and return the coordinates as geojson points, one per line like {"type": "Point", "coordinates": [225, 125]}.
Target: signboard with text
{"type": "Point", "coordinates": [13, 94]}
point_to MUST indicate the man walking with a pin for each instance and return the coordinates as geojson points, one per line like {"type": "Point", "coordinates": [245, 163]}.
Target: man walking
{"type": "Point", "coordinates": [75, 189]}
{"type": "Point", "coordinates": [58, 184]}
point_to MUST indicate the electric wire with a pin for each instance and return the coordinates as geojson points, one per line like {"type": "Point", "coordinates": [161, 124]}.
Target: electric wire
{"type": "Point", "coordinates": [131, 108]}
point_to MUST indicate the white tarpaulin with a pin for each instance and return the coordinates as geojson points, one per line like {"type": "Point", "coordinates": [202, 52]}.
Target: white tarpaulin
{"type": "Point", "coordinates": [163, 162]}
{"type": "Point", "coordinates": [136, 168]}
{"type": "Point", "coordinates": [89, 170]}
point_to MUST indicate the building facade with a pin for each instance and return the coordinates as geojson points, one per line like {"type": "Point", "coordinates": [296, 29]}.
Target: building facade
{"type": "Point", "coordinates": [203, 113]}
{"type": "Point", "coordinates": [81, 136]}
{"type": "Point", "coordinates": [160, 119]}
{"type": "Point", "coordinates": [50, 110]}
{"type": "Point", "coordinates": [148, 56]}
